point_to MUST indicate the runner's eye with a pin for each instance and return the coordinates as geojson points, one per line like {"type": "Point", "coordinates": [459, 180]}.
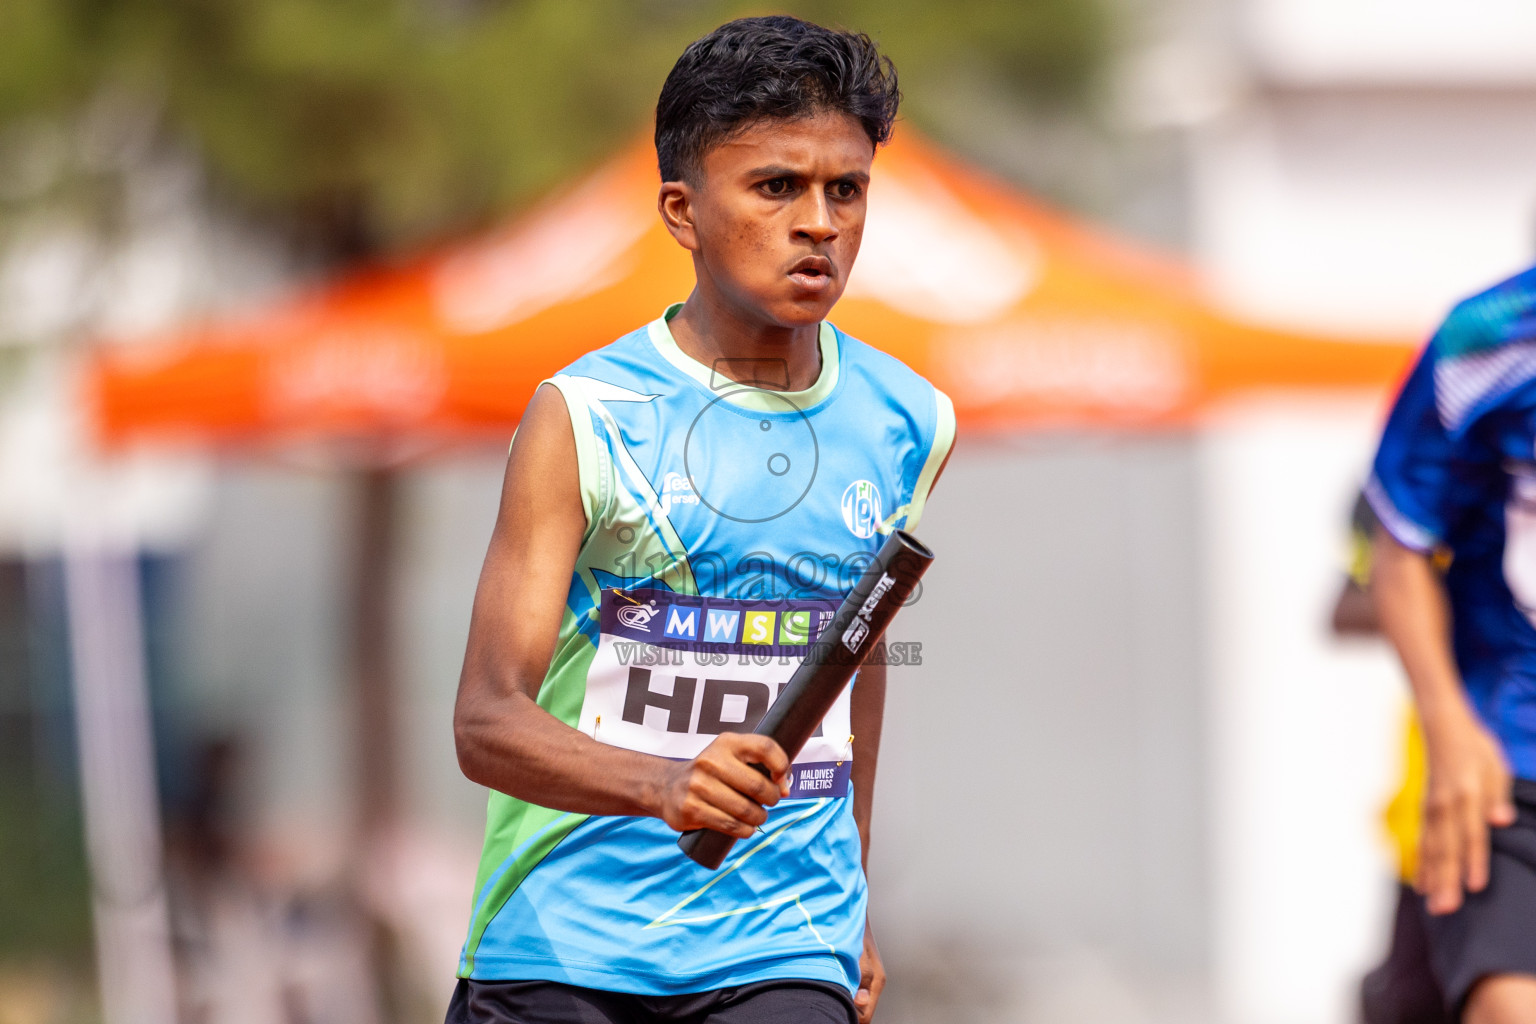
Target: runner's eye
{"type": "Point", "coordinates": [777, 186]}
{"type": "Point", "coordinates": [844, 190]}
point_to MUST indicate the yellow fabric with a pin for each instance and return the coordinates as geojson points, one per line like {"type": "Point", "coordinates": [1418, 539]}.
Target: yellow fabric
{"type": "Point", "coordinates": [1405, 814]}
{"type": "Point", "coordinates": [1360, 558]}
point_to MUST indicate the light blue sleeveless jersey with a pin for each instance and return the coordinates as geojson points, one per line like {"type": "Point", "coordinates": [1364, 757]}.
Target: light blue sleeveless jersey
{"type": "Point", "coordinates": [724, 523]}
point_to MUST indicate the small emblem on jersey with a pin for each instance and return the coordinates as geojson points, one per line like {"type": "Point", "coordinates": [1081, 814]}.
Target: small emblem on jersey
{"type": "Point", "coordinates": [676, 489]}
{"type": "Point", "coordinates": [861, 508]}
{"type": "Point", "coordinates": [638, 616]}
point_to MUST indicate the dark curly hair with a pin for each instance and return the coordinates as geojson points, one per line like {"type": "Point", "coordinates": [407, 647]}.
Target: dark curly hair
{"type": "Point", "coordinates": [755, 68]}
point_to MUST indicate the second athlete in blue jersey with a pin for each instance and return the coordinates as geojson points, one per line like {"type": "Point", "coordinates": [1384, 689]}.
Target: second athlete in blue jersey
{"type": "Point", "coordinates": [1457, 469]}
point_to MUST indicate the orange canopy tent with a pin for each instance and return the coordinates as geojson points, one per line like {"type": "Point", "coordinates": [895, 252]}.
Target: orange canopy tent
{"type": "Point", "coordinates": [1022, 315]}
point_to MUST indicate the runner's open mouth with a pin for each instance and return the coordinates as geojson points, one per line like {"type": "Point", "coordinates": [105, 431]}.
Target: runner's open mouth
{"type": "Point", "coordinates": [812, 267]}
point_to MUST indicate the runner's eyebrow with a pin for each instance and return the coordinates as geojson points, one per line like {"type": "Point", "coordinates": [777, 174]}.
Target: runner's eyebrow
{"type": "Point", "coordinates": [781, 171]}
{"type": "Point", "coordinates": [774, 171]}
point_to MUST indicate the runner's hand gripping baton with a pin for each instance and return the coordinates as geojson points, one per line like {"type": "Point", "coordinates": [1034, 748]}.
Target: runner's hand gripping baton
{"type": "Point", "coordinates": [836, 655]}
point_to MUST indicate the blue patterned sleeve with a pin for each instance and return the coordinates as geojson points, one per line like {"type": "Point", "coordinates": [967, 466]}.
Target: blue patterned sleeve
{"type": "Point", "coordinates": [1410, 488]}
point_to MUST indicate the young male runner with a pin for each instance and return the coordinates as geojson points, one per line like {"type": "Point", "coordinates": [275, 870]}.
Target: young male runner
{"type": "Point", "coordinates": [681, 512]}
{"type": "Point", "coordinates": [1457, 469]}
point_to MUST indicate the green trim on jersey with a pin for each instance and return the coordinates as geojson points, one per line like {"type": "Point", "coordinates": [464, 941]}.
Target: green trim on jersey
{"type": "Point", "coordinates": [592, 468]}
{"type": "Point", "coordinates": [747, 397]}
{"type": "Point", "coordinates": [943, 440]}
{"type": "Point", "coordinates": [632, 504]}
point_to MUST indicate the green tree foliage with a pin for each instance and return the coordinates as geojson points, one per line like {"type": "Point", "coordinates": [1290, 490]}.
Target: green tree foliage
{"type": "Point", "coordinates": [381, 123]}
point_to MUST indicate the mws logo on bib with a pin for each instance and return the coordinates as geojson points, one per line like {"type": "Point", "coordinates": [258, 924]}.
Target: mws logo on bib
{"type": "Point", "coordinates": [861, 508]}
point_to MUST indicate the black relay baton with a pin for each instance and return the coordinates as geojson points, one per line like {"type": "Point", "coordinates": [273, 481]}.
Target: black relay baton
{"type": "Point", "coordinates": [832, 660]}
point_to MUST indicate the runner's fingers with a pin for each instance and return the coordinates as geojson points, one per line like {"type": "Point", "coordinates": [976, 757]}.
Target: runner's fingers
{"type": "Point", "coordinates": [871, 980]}
{"type": "Point", "coordinates": [874, 980]}
{"type": "Point", "coordinates": [1501, 806]}
{"type": "Point", "coordinates": [719, 821]}
{"type": "Point", "coordinates": [1431, 845]}
{"type": "Point", "coordinates": [1439, 858]}
{"type": "Point", "coordinates": [750, 783]}
{"type": "Point", "coordinates": [1474, 845]}
{"type": "Point", "coordinates": [769, 754]}
{"type": "Point", "coordinates": [727, 800]}
{"type": "Point", "coordinates": [702, 815]}
{"type": "Point", "coordinates": [737, 770]}
{"type": "Point", "coordinates": [748, 749]}
{"type": "Point", "coordinates": [864, 1002]}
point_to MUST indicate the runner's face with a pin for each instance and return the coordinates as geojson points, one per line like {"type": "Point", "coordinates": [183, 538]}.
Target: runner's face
{"type": "Point", "coordinates": [778, 216]}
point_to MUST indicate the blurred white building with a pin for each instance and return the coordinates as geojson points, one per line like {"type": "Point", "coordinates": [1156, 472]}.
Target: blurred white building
{"type": "Point", "coordinates": [1362, 163]}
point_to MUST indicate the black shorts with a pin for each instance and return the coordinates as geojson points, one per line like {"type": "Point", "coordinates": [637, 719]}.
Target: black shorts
{"type": "Point", "coordinates": [549, 1002]}
{"type": "Point", "coordinates": [1494, 932]}
{"type": "Point", "coordinates": [1403, 990]}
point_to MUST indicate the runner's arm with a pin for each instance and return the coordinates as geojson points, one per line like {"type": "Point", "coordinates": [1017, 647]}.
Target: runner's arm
{"type": "Point", "coordinates": [866, 713]}
{"type": "Point", "coordinates": [504, 739]}
{"type": "Point", "coordinates": [1469, 783]}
